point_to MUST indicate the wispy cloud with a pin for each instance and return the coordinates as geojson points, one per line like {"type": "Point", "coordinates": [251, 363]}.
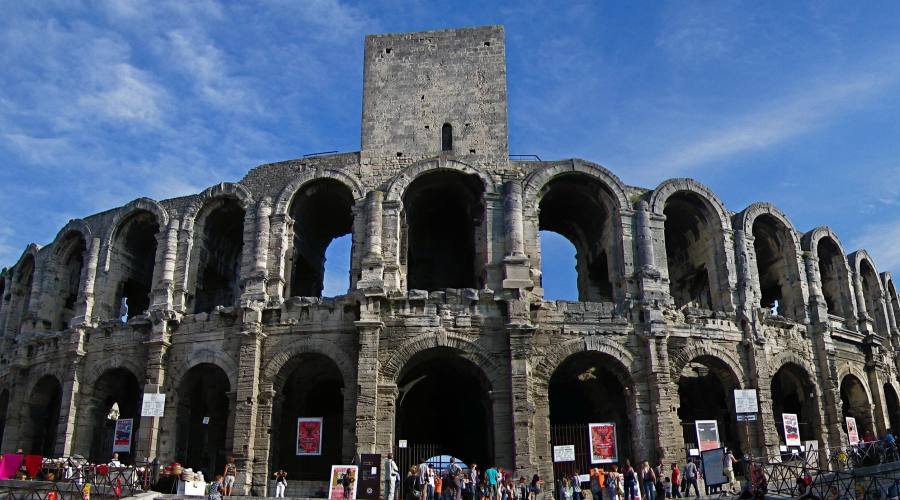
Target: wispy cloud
{"type": "Point", "coordinates": [127, 94]}
{"type": "Point", "coordinates": [882, 241]}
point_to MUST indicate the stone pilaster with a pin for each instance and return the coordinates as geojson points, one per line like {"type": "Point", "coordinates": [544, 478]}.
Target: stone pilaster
{"type": "Point", "coordinates": [85, 306]}
{"type": "Point", "coordinates": [282, 227]}
{"type": "Point", "coordinates": [367, 383]}
{"type": "Point", "coordinates": [157, 349]}
{"type": "Point", "coordinates": [391, 236]}
{"type": "Point", "coordinates": [516, 265]}
{"type": "Point", "coordinates": [255, 284]}
{"type": "Point", "coordinates": [245, 412]}
{"type": "Point", "coordinates": [65, 433]}
{"type": "Point", "coordinates": [372, 275]}
{"type": "Point", "coordinates": [523, 405]}
{"type": "Point", "coordinates": [164, 272]}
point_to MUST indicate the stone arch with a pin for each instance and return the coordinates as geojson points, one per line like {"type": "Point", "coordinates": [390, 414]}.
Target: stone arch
{"type": "Point", "coordinates": [123, 214]}
{"type": "Point", "coordinates": [204, 356]}
{"type": "Point", "coordinates": [75, 226]}
{"type": "Point", "coordinates": [537, 179]}
{"type": "Point", "coordinates": [672, 186]}
{"type": "Point", "coordinates": [847, 369]}
{"type": "Point", "coordinates": [330, 350]}
{"type": "Point", "coordinates": [871, 292]}
{"type": "Point", "coordinates": [833, 271]}
{"type": "Point", "coordinates": [680, 358]}
{"type": "Point", "coordinates": [283, 202]}
{"type": "Point", "coordinates": [39, 416]}
{"type": "Point", "coordinates": [402, 354]}
{"type": "Point", "coordinates": [132, 364]}
{"type": "Point", "coordinates": [67, 273]}
{"type": "Point", "coordinates": [892, 301]}
{"type": "Point", "coordinates": [851, 402]}
{"type": "Point", "coordinates": [811, 405]}
{"type": "Point", "coordinates": [397, 186]}
{"type": "Point", "coordinates": [559, 352]}
{"type": "Point", "coordinates": [222, 190]}
{"type": "Point", "coordinates": [24, 288]}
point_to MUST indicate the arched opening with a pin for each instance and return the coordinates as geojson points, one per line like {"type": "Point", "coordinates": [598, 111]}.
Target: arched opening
{"type": "Point", "coordinates": [855, 403]}
{"type": "Point", "coordinates": [705, 392]}
{"type": "Point", "coordinates": [586, 388]}
{"type": "Point", "coordinates": [70, 260]}
{"type": "Point", "coordinates": [578, 207]}
{"type": "Point", "coordinates": [438, 386]}
{"type": "Point", "coordinates": [793, 392]}
{"type": "Point", "coordinates": [872, 293]}
{"type": "Point", "coordinates": [218, 244]}
{"type": "Point", "coordinates": [559, 277]}
{"type": "Point", "coordinates": [23, 282]}
{"type": "Point", "coordinates": [133, 256]}
{"type": "Point", "coordinates": [892, 300]}
{"type": "Point", "coordinates": [116, 395]}
{"type": "Point", "coordinates": [323, 214]}
{"type": "Point", "coordinates": [692, 244]}
{"type": "Point", "coordinates": [447, 137]}
{"type": "Point", "coordinates": [309, 386]}
{"type": "Point", "coordinates": [893, 407]}
{"type": "Point", "coordinates": [776, 263]}
{"type": "Point", "coordinates": [41, 417]}
{"type": "Point", "coordinates": [4, 407]}
{"type": "Point", "coordinates": [833, 274]}
{"type": "Point", "coordinates": [202, 419]}
{"type": "Point", "coordinates": [443, 213]}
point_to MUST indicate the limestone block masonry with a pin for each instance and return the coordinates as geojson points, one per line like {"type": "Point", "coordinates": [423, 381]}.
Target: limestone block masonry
{"type": "Point", "coordinates": [444, 338]}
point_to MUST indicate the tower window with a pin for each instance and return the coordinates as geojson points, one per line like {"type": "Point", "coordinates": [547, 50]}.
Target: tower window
{"type": "Point", "coordinates": [447, 137]}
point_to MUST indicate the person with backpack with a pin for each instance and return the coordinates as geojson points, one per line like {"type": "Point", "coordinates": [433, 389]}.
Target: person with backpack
{"type": "Point", "coordinates": [411, 485]}
{"type": "Point", "coordinates": [230, 474]}
{"type": "Point", "coordinates": [690, 478]}
{"type": "Point", "coordinates": [454, 479]}
{"type": "Point", "coordinates": [613, 483]}
{"type": "Point", "coordinates": [648, 481]}
{"type": "Point", "coordinates": [534, 489]}
{"type": "Point", "coordinates": [629, 477]}
{"type": "Point", "coordinates": [215, 489]}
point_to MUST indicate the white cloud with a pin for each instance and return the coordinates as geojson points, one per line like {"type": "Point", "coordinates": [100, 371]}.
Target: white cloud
{"type": "Point", "coordinates": [882, 241]}
{"type": "Point", "coordinates": [127, 94]}
{"type": "Point", "coordinates": [38, 150]}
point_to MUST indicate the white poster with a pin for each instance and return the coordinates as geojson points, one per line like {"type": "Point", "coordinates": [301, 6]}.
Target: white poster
{"type": "Point", "coordinates": [745, 401]}
{"type": "Point", "coordinates": [154, 405]}
{"type": "Point", "coordinates": [564, 453]}
{"type": "Point", "coordinates": [791, 429]}
{"type": "Point", "coordinates": [122, 435]}
{"type": "Point", "coordinates": [852, 431]}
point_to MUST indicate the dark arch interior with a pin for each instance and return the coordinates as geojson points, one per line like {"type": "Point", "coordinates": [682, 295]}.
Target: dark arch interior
{"type": "Point", "coordinates": [115, 386]}
{"type": "Point", "coordinates": [4, 408]}
{"type": "Point", "coordinates": [447, 137]}
{"type": "Point", "coordinates": [833, 273]}
{"type": "Point", "coordinates": [438, 390]}
{"type": "Point", "coordinates": [312, 386]}
{"type": "Point", "coordinates": [42, 416]}
{"type": "Point", "coordinates": [855, 403]}
{"type": "Point", "coordinates": [71, 260]}
{"type": "Point", "coordinates": [577, 207]}
{"type": "Point", "coordinates": [774, 258]}
{"type": "Point", "coordinates": [218, 249]}
{"type": "Point", "coordinates": [203, 394]}
{"type": "Point", "coordinates": [691, 241]}
{"type": "Point", "coordinates": [442, 211]}
{"type": "Point", "coordinates": [322, 211]}
{"type": "Point", "coordinates": [135, 256]}
{"type": "Point", "coordinates": [705, 392]}
{"type": "Point", "coordinates": [792, 392]}
{"type": "Point", "coordinates": [871, 292]}
{"type": "Point", "coordinates": [23, 284]}
{"type": "Point", "coordinates": [583, 390]}
{"type": "Point", "coordinates": [893, 407]}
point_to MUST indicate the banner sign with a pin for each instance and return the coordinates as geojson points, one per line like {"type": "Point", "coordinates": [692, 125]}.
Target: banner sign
{"type": "Point", "coordinates": [604, 447]}
{"type": "Point", "coordinates": [714, 466]}
{"type": "Point", "coordinates": [852, 431]}
{"type": "Point", "coordinates": [309, 436]}
{"type": "Point", "coordinates": [745, 401]}
{"type": "Point", "coordinates": [791, 429]}
{"type": "Point", "coordinates": [154, 405]}
{"type": "Point", "coordinates": [707, 434]}
{"type": "Point", "coordinates": [564, 453]}
{"type": "Point", "coordinates": [122, 435]}
{"type": "Point", "coordinates": [342, 485]}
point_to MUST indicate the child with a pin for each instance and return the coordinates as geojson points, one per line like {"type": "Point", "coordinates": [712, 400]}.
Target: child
{"type": "Point", "coordinates": [667, 485]}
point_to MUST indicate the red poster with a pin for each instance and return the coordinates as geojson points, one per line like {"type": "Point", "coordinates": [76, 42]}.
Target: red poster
{"type": "Point", "coordinates": [604, 447]}
{"type": "Point", "coordinates": [309, 436]}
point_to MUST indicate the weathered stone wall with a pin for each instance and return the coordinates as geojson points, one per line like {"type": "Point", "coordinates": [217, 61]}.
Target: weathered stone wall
{"type": "Point", "coordinates": [636, 334]}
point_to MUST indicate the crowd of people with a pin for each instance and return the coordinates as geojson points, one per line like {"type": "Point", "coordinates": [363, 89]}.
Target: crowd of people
{"type": "Point", "coordinates": [425, 482]}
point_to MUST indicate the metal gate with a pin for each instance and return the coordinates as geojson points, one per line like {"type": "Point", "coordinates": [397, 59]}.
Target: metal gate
{"type": "Point", "coordinates": [571, 434]}
{"type": "Point", "coordinates": [409, 456]}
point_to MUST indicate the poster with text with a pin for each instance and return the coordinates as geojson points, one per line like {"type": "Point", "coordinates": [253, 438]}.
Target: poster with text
{"type": "Point", "coordinates": [122, 435]}
{"type": "Point", "coordinates": [707, 434]}
{"type": "Point", "coordinates": [342, 485]}
{"type": "Point", "coordinates": [791, 429]}
{"type": "Point", "coordinates": [309, 436]}
{"type": "Point", "coordinates": [604, 448]}
{"type": "Point", "coordinates": [852, 431]}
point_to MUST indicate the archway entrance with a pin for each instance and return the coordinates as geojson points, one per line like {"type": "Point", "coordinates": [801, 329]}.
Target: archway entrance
{"type": "Point", "coordinates": [585, 389]}
{"type": "Point", "coordinates": [855, 403]}
{"type": "Point", "coordinates": [444, 400]}
{"type": "Point", "coordinates": [309, 386]}
{"type": "Point", "coordinates": [893, 407]}
{"type": "Point", "coordinates": [705, 392]}
{"type": "Point", "coordinates": [42, 417]}
{"type": "Point", "coordinates": [202, 422]}
{"type": "Point", "coordinates": [793, 392]}
{"type": "Point", "coordinates": [117, 394]}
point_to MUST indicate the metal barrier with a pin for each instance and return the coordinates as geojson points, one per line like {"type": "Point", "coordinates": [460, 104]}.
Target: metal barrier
{"type": "Point", "coordinates": [72, 477]}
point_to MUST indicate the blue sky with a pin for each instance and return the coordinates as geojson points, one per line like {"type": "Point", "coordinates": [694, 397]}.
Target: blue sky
{"type": "Point", "coordinates": [790, 102]}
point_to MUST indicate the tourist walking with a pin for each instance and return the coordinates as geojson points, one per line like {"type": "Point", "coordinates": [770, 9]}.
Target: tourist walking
{"type": "Point", "coordinates": [629, 477]}
{"type": "Point", "coordinates": [576, 486]}
{"type": "Point", "coordinates": [473, 482]}
{"type": "Point", "coordinates": [676, 481]}
{"type": "Point", "coordinates": [430, 483]}
{"type": "Point", "coordinates": [613, 483]}
{"type": "Point", "coordinates": [728, 462]}
{"type": "Point", "coordinates": [660, 484]}
{"type": "Point", "coordinates": [412, 485]}
{"type": "Point", "coordinates": [492, 476]}
{"type": "Point", "coordinates": [391, 476]}
{"type": "Point", "coordinates": [454, 479]}
{"type": "Point", "coordinates": [690, 478]}
{"type": "Point", "coordinates": [280, 483]}
{"type": "Point", "coordinates": [423, 479]}
{"type": "Point", "coordinates": [596, 483]}
{"type": "Point", "coordinates": [230, 474]}
{"type": "Point", "coordinates": [535, 489]}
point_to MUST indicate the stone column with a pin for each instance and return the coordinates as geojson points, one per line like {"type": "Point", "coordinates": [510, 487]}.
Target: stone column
{"type": "Point", "coordinates": [372, 275]}
{"type": "Point", "coordinates": [391, 236]}
{"type": "Point", "coordinates": [255, 288]}
{"type": "Point", "coordinates": [85, 306]}
{"type": "Point", "coordinates": [65, 432]}
{"type": "Point", "coordinates": [523, 405]}
{"type": "Point", "coordinates": [369, 332]}
{"type": "Point", "coordinates": [282, 226]}
{"type": "Point", "coordinates": [386, 415]}
{"type": "Point", "coordinates": [164, 272]}
{"type": "Point", "coordinates": [865, 323]}
{"type": "Point", "coordinates": [245, 413]}
{"type": "Point", "coordinates": [157, 347]}
{"type": "Point", "coordinates": [516, 265]}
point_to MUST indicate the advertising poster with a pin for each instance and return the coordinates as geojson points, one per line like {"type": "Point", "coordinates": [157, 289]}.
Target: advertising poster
{"type": "Point", "coordinates": [707, 434]}
{"type": "Point", "coordinates": [791, 429]}
{"type": "Point", "coordinates": [309, 436]}
{"type": "Point", "coordinates": [714, 466]}
{"type": "Point", "coordinates": [604, 448]}
{"type": "Point", "coordinates": [342, 485]}
{"type": "Point", "coordinates": [852, 431]}
{"type": "Point", "coordinates": [122, 435]}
